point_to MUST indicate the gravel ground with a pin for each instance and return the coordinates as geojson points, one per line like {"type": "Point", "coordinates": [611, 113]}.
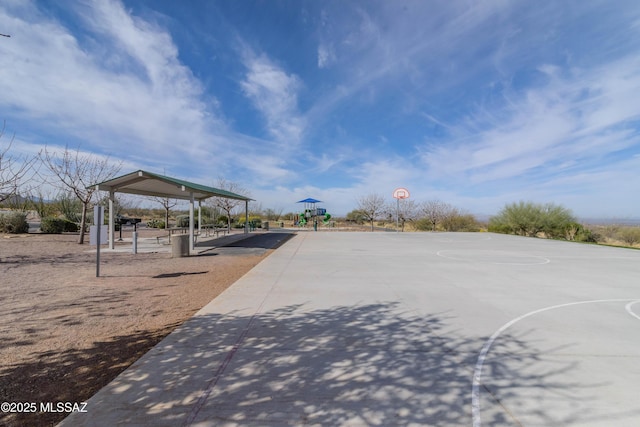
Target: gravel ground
{"type": "Point", "coordinates": [65, 334]}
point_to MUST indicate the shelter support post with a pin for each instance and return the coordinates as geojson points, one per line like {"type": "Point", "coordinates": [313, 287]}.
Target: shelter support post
{"type": "Point", "coordinates": [112, 196]}
{"type": "Point", "coordinates": [246, 217]}
{"type": "Point", "coordinates": [199, 217]}
{"type": "Point", "coordinates": [191, 228]}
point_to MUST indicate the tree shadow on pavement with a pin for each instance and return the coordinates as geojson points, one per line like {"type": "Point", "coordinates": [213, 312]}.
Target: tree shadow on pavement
{"type": "Point", "coordinates": [72, 376]}
{"type": "Point", "coordinates": [368, 365]}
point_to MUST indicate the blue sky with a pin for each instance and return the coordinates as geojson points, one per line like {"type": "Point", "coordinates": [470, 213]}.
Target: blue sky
{"type": "Point", "coordinates": [476, 103]}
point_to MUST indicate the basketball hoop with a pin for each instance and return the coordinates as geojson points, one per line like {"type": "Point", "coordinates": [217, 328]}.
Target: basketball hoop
{"type": "Point", "coordinates": [401, 193]}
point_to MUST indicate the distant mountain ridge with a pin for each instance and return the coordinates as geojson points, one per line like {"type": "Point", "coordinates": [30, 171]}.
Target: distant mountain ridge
{"type": "Point", "coordinates": [611, 221]}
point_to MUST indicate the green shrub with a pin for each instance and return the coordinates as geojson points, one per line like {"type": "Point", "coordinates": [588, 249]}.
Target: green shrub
{"type": "Point", "coordinates": [183, 221]}
{"type": "Point", "coordinates": [461, 222]}
{"type": "Point", "coordinates": [556, 220]}
{"type": "Point", "coordinates": [14, 223]}
{"type": "Point", "coordinates": [70, 207]}
{"type": "Point", "coordinates": [496, 226]}
{"type": "Point", "coordinates": [255, 220]}
{"type": "Point", "coordinates": [587, 236]}
{"type": "Point", "coordinates": [54, 225]}
{"type": "Point", "coordinates": [156, 223]}
{"type": "Point", "coordinates": [423, 224]}
{"type": "Point", "coordinates": [530, 219]}
{"type": "Point", "coordinates": [42, 207]}
{"type": "Point", "coordinates": [579, 233]}
{"type": "Point", "coordinates": [356, 216]}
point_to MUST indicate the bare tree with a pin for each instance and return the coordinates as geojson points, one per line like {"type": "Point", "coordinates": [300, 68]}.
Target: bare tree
{"type": "Point", "coordinates": [167, 204]}
{"type": "Point", "coordinates": [228, 205]}
{"type": "Point", "coordinates": [372, 207]}
{"type": "Point", "coordinates": [12, 170]}
{"type": "Point", "coordinates": [273, 214]}
{"type": "Point", "coordinates": [407, 211]}
{"type": "Point", "coordinates": [449, 214]}
{"type": "Point", "coordinates": [255, 208]}
{"type": "Point", "coordinates": [435, 211]}
{"type": "Point", "coordinates": [79, 173]}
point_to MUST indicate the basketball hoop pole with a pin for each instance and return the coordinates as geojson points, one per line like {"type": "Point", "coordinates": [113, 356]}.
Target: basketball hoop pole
{"type": "Point", "coordinates": [399, 193]}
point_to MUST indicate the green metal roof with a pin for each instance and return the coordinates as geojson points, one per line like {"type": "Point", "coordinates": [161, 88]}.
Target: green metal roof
{"type": "Point", "coordinates": [151, 184]}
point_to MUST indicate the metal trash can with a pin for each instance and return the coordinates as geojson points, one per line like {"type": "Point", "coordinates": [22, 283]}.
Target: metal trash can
{"type": "Point", "coordinates": [265, 225]}
{"type": "Point", "coordinates": [180, 246]}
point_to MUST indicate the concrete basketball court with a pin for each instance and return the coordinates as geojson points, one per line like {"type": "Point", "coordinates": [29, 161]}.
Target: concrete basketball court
{"type": "Point", "coordinates": [401, 329]}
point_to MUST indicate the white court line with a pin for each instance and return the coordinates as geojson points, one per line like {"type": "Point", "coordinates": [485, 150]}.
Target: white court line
{"type": "Point", "coordinates": [628, 308]}
{"type": "Point", "coordinates": [477, 373]}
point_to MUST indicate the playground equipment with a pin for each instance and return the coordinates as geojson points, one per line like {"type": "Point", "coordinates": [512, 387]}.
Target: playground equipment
{"type": "Point", "coordinates": [311, 213]}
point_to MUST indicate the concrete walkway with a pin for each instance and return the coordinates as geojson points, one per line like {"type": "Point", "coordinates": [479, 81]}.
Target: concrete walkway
{"type": "Point", "coordinates": [400, 329]}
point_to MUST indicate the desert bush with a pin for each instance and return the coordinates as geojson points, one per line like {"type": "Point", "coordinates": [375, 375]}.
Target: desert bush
{"type": "Point", "coordinates": [423, 224]}
{"type": "Point", "coordinates": [579, 233]}
{"type": "Point", "coordinates": [208, 214]}
{"type": "Point", "coordinates": [629, 235]}
{"type": "Point", "coordinates": [54, 225]}
{"type": "Point", "coordinates": [70, 207]}
{"type": "Point", "coordinates": [586, 235]}
{"type": "Point", "coordinates": [158, 223]}
{"type": "Point", "coordinates": [14, 223]}
{"type": "Point", "coordinates": [256, 220]}
{"type": "Point", "coordinates": [530, 219]}
{"type": "Point", "coordinates": [610, 231]}
{"type": "Point", "coordinates": [183, 221]}
{"type": "Point", "coordinates": [43, 207]}
{"type": "Point", "coordinates": [356, 216]}
{"type": "Point", "coordinates": [555, 220]}
{"type": "Point", "coordinates": [437, 215]}
{"type": "Point", "coordinates": [523, 218]}
{"type": "Point", "coordinates": [496, 226]}
{"type": "Point", "coordinates": [461, 222]}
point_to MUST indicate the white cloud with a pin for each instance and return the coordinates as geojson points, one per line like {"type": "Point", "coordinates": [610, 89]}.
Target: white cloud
{"type": "Point", "coordinates": [576, 117]}
{"type": "Point", "coordinates": [92, 89]}
{"type": "Point", "coordinates": [275, 94]}
{"type": "Point", "coordinates": [565, 141]}
{"type": "Point", "coordinates": [326, 55]}
{"type": "Point", "coordinates": [120, 88]}
{"type": "Point", "coordinates": [380, 49]}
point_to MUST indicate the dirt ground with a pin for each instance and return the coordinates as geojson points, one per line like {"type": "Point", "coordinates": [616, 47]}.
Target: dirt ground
{"type": "Point", "coordinates": [64, 333]}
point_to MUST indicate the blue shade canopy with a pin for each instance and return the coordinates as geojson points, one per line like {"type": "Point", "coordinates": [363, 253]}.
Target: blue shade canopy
{"type": "Point", "coordinates": [310, 200]}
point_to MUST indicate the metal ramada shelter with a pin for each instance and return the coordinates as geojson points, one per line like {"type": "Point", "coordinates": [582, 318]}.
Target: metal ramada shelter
{"type": "Point", "coordinates": [150, 184]}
